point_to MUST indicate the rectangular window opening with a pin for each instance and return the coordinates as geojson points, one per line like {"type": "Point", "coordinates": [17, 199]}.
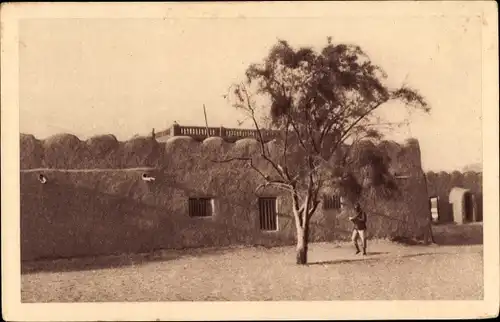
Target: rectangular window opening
{"type": "Point", "coordinates": [332, 202]}
{"type": "Point", "coordinates": [200, 207]}
{"type": "Point", "coordinates": [434, 203]}
{"type": "Point", "coordinates": [268, 217]}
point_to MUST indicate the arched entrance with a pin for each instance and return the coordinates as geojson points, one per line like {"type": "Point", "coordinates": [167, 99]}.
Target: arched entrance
{"type": "Point", "coordinates": [464, 205]}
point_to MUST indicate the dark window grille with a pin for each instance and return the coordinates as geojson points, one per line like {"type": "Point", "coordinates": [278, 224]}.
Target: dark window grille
{"type": "Point", "coordinates": [268, 217]}
{"type": "Point", "coordinates": [200, 207]}
{"type": "Point", "coordinates": [332, 202]}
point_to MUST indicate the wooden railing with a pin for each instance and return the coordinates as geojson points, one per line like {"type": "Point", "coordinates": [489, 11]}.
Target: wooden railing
{"type": "Point", "coordinates": [200, 132]}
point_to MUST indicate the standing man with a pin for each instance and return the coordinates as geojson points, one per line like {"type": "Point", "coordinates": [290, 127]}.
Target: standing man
{"type": "Point", "coordinates": [359, 229]}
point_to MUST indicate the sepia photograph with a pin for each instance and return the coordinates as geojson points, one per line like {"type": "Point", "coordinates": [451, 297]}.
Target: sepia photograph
{"type": "Point", "coordinates": [258, 156]}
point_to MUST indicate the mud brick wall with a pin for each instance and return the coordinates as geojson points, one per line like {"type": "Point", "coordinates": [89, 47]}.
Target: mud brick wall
{"type": "Point", "coordinates": [96, 203]}
{"type": "Point", "coordinates": [441, 183]}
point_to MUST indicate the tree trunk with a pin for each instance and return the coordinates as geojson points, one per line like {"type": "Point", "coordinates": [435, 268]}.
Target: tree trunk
{"type": "Point", "coordinates": [302, 227]}
{"type": "Point", "coordinates": [302, 244]}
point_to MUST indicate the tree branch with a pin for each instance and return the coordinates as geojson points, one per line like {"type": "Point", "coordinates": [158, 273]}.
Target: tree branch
{"type": "Point", "coordinates": [297, 132]}
{"type": "Point", "coordinates": [261, 138]}
{"type": "Point", "coordinates": [268, 182]}
{"type": "Point", "coordinates": [285, 148]}
{"type": "Point", "coordinates": [370, 110]}
{"type": "Point", "coordinates": [279, 184]}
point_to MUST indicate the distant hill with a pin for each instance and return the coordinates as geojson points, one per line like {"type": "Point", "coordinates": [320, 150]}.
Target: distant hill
{"type": "Point", "coordinates": [477, 167]}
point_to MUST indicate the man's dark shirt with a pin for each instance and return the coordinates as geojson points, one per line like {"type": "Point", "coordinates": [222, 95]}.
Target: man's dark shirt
{"type": "Point", "coordinates": [360, 220]}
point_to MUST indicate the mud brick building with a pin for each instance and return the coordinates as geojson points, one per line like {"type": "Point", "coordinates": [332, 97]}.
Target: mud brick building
{"type": "Point", "coordinates": [95, 200]}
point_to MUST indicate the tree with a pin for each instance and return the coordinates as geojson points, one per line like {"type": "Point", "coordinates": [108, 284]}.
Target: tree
{"type": "Point", "coordinates": [316, 103]}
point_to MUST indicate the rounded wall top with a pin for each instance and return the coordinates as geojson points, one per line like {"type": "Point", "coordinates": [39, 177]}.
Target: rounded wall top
{"type": "Point", "coordinates": [443, 174]}
{"type": "Point", "coordinates": [457, 193]}
{"type": "Point", "coordinates": [216, 144]}
{"type": "Point", "coordinates": [28, 140]}
{"type": "Point", "coordinates": [246, 141]}
{"type": "Point", "coordinates": [103, 137]}
{"type": "Point", "coordinates": [62, 138]}
{"type": "Point", "coordinates": [245, 146]}
{"type": "Point", "coordinates": [25, 136]}
{"type": "Point", "coordinates": [213, 140]}
{"type": "Point", "coordinates": [175, 139]}
{"type": "Point", "coordinates": [472, 173]}
{"type": "Point", "coordinates": [412, 142]}
{"type": "Point", "coordinates": [139, 141]}
{"type": "Point", "coordinates": [365, 144]}
{"type": "Point", "coordinates": [454, 173]}
{"type": "Point", "coordinates": [389, 143]}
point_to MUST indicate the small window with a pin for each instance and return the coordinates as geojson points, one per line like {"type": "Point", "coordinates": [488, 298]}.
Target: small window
{"type": "Point", "coordinates": [200, 207]}
{"type": "Point", "coordinates": [434, 202]}
{"type": "Point", "coordinates": [332, 202]}
{"type": "Point", "coordinates": [268, 217]}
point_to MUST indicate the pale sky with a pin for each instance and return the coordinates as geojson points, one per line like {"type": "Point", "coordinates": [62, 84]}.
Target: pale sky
{"type": "Point", "coordinates": [127, 76]}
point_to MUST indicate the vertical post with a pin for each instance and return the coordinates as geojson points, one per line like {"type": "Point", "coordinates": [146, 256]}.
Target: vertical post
{"type": "Point", "coordinates": [222, 132]}
{"type": "Point", "coordinates": [206, 122]}
{"type": "Point", "coordinates": [176, 130]}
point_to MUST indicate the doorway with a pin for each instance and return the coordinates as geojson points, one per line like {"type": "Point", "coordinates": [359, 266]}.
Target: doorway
{"type": "Point", "coordinates": [468, 207]}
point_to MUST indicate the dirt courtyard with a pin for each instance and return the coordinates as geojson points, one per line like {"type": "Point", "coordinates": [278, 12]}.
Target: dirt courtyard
{"type": "Point", "coordinates": [452, 270]}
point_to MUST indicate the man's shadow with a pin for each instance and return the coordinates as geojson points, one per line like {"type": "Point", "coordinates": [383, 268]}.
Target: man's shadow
{"type": "Point", "coordinates": [372, 259]}
{"type": "Point", "coordinates": [367, 257]}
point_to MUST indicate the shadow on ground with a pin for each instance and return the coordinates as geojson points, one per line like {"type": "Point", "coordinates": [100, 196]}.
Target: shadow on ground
{"type": "Point", "coordinates": [468, 234]}
{"type": "Point", "coordinates": [458, 235]}
{"type": "Point", "coordinates": [367, 257]}
{"type": "Point", "coordinates": [372, 259]}
{"type": "Point", "coordinates": [449, 235]}
{"type": "Point", "coordinates": [115, 261]}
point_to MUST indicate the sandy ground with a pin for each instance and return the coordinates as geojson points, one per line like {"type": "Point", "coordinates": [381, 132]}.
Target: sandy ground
{"type": "Point", "coordinates": [389, 272]}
